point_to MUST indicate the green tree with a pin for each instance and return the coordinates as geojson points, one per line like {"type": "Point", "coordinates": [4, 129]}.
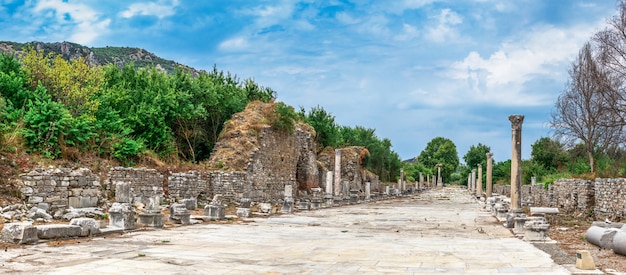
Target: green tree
{"type": "Point", "coordinates": [502, 172]}
{"type": "Point", "coordinates": [441, 150]}
{"type": "Point", "coordinates": [474, 156]}
{"type": "Point", "coordinates": [548, 153]}
{"type": "Point", "coordinates": [327, 132]}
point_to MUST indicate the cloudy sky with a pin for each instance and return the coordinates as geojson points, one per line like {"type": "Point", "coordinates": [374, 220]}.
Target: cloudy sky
{"type": "Point", "coordinates": [411, 69]}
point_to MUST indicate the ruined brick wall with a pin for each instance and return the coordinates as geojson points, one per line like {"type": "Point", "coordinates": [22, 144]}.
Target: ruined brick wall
{"type": "Point", "coordinates": [144, 183]}
{"type": "Point", "coordinates": [610, 200]}
{"type": "Point", "coordinates": [307, 172]}
{"type": "Point", "coordinates": [58, 189]}
{"type": "Point", "coordinates": [274, 165]}
{"type": "Point", "coordinates": [192, 184]}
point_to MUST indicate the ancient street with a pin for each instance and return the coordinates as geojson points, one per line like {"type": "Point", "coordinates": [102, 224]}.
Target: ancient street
{"type": "Point", "coordinates": [439, 231]}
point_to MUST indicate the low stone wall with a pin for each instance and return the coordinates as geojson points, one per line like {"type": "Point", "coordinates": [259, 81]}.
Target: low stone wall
{"type": "Point", "coordinates": [57, 189]}
{"type": "Point", "coordinates": [144, 183]}
{"type": "Point", "coordinates": [189, 185]}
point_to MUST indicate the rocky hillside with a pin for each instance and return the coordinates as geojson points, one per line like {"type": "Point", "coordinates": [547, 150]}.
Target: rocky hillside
{"type": "Point", "coordinates": [97, 56]}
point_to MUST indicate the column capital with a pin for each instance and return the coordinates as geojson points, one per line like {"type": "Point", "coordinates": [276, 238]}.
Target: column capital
{"type": "Point", "coordinates": [489, 155]}
{"type": "Point", "coordinates": [479, 166]}
{"type": "Point", "coordinates": [516, 121]}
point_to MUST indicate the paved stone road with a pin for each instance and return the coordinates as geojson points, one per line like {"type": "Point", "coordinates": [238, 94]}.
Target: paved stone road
{"type": "Point", "coordinates": [440, 231]}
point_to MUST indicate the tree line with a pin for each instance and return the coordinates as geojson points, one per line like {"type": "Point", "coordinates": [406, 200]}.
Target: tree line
{"type": "Point", "coordinates": [64, 108]}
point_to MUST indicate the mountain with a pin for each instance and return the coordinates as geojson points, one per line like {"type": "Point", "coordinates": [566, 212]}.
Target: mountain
{"type": "Point", "coordinates": [98, 56]}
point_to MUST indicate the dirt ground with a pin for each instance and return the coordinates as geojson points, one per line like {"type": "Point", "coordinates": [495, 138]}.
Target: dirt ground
{"type": "Point", "coordinates": [569, 231]}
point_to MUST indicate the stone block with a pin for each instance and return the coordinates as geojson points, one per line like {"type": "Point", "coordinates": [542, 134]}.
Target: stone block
{"type": "Point", "coordinates": [287, 206]}
{"type": "Point", "coordinates": [58, 231]}
{"type": "Point", "coordinates": [19, 233]}
{"type": "Point", "coordinates": [584, 260]}
{"type": "Point", "coordinates": [243, 212]}
{"type": "Point", "coordinates": [600, 236]}
{"type": "Point", "coordinates": [217, 212]}
{"type": "Point", "coordinates": [304, 205]}
{"type": "Point", "coordinates": [122, 215]}
{"type": "Point", "coordinates": [35, 199]}
{"type": "Point", "coordinates": [543, 210]}
{"type": "Point", "coordinates": [265, 208]}
{"type": "Point", "coordinates": [88, 226]}
{"type": "Point", "coordinates": [151, 220]}
{"type": "Point", "coordinates": [179, 214]}
{"type": "Point", "coordinates": [122, 192]}
{"type": "Point", "coordinates": [191, 204]}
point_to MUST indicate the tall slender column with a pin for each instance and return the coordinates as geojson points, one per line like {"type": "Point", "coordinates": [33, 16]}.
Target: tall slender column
{"type": "Point", "coordinates": [474, 181]}
{"type": "Point", "coordinates": [479, 184]}
{"type": "Point", "coordinates": [489, 174]}
{"type": "Point", "coordinates": [439, 180]}
{"type": "Point", "coordinates": [516, 161]}
{"type": "Point", "coordinates": [337, 172]}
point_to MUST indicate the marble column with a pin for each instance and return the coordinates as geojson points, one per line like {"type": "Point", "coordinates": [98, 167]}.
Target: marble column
{"type": "Point", "coordinates": [516, 161]}
{"type": "Point", "coordinates": [329, 182]}
{"type": "Point", "coordinates": [337, 172]}
{"type": "Point", "coordinates": [469, 182]}
{"type": "Point", "coordinates": [489, 174]}
{"type": "Point", "coordinates": [473, 181]}
{"type": "Point", "coordinates": [439, 180]}
{"type": "Point", "coordinates": [479, 182]}
{"type": "Point", "coordinates": [421, 183]}
{"type": "Point", "coordinates": [403, 184]}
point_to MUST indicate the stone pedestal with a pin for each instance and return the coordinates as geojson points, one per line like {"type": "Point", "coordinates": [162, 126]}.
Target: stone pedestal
{"type": "Point", "coordinates": [179, 214]}
{"type": "Point", "coordinates": [152, 216]}
{"type": "Point", "coordinates": [304, 205]}
{"type": "Point", "coordinates": [316, 203]}
{"type": "Point", "coordinates": [215, 211]}
{"type": "Point", "coordinates": [519, 221]}
{"type": "Point", "coordinates": [501, 212]}
{"type": "Point", "coordinates": [328, 200]}
{"type": "Point", "coordinates": [151, 220]}
{"type": "Point", "coordinates": [287, 206]}
{"type": "Point", "coordinates": [122, 215]}
{"type": "Point", "coordinates": [536, 230]}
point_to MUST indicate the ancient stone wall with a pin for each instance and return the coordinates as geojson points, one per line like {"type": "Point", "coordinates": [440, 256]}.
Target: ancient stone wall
{"type": "Point", "coordinates": [232, 186]}
{"type": "Point", "coordinates": [144, 183]}
{"type": "Point", "coordinates": [57, 189]}
{"type": "Point", "coordinates": [192, 184]}
{"type": "Point", "coordinates": [610, 200]}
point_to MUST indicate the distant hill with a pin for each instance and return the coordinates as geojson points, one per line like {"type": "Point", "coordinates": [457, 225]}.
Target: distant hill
{"type": "Point", "coordinates": [98, 56]}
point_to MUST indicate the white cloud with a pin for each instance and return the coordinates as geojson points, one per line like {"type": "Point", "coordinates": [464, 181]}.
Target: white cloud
{"type": "Point", "coordinates": [75, 22]}
{"type": "Point", "coordinates": [234, 44]}
{"type": "Point", "coordinates": [501, 76]}
{"type": "Point", "coordinates": [160, 9]}
{"type": "Point", "coordinates": [444, 30]}
{"type": "Point", "coordinates": [271, 15]}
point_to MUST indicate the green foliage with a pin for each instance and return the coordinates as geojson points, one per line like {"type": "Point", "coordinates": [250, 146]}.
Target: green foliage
{"type": "Point", "coordinates": [441, 150]}
{"type": "Point", "coordinates": [474, 156]}
{"type": "Point", "coordinates": [502, 172]}
{"type": "Point", "coordinates": [45, 124]}
{"type": "Point", "coordinates": [382, 160]}
{"type": "Point", "coordinates": [548, 153]}
{"type": "Point", "coordinates": [127, 149]}
{"type": "Point", "coordinates": [284, 117]}
{"type": "Point", "coordinates": [324, 124]}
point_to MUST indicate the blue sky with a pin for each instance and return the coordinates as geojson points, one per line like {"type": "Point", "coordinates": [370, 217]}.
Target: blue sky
{"type": "Point", "coordinates": [411, 69]}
